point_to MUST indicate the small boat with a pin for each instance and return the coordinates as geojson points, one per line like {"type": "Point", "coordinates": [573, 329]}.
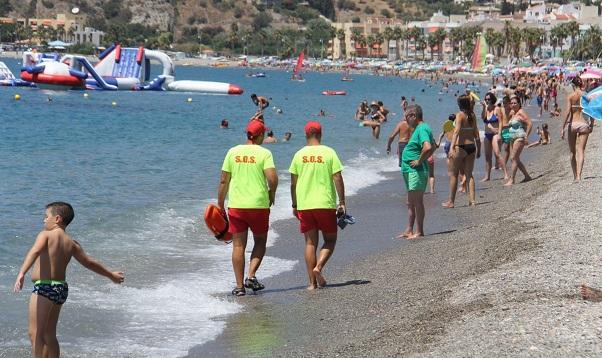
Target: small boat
{"type": "Point", "coordinates": [256, 74]}
{"type": "Point", "coordinates": [334, 93]}
{"type": "Point", "coordinates": [297, 71]}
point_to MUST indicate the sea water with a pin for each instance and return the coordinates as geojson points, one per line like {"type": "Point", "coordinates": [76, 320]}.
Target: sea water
{"type": "Point", "coordinates": [139, 174]}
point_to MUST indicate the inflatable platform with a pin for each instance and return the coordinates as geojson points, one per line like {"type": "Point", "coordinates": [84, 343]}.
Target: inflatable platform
{"type": "Point", "coordinates": [8, 79]}
{"type": "Point", "coordinates": [118, 69]}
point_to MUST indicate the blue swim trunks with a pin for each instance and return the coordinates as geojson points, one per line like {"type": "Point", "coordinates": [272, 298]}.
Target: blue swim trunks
{"type": "Point", "coordinates": [55, 291]}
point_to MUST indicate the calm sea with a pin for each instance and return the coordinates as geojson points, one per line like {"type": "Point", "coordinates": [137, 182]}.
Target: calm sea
{"type": "Point", "coordinates": [139, 175]}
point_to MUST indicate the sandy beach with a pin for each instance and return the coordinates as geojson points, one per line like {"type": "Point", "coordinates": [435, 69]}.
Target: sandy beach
{"type": "Point", "coordinates": [499, 279]}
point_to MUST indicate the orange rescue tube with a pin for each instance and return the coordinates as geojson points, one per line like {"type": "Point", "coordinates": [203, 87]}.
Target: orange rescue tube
{"type": "Point", "coordinates": [217, 222]}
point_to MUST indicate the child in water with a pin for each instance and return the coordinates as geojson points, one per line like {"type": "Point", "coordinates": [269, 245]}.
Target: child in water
{"type": "Point", "coordinates": [51, 253]}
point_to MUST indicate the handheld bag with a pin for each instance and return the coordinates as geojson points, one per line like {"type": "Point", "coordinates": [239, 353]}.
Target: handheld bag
{"type": "Point", "coordinates": [217, 222]}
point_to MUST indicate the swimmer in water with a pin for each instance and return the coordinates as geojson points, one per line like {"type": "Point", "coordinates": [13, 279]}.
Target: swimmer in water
{"type": "Point", "coordinates": [270, 138]}
{"type": "Point", "coordinates": [224, 124]}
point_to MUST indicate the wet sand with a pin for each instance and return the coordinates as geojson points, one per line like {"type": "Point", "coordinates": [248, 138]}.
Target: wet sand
{"type": "Point", "coordinates": [497, 279]}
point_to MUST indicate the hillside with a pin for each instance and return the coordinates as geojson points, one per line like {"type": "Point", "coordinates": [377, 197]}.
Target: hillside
{"type": "Point", "coordinates": [178, 15]}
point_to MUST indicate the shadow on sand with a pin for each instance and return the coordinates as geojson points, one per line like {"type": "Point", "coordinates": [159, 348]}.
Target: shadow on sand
{"type": "Point", "coordinates": [341, 284]}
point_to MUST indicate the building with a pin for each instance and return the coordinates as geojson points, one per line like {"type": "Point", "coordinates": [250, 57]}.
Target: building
{"type": "Point", "coordinates": [535, 13]}
{"type": "Point", "coordinates": [371, 26]}
{"type": "Point", "coordinates": [86, 35]}
{"type": "Point", "coordinates": [483, 13]}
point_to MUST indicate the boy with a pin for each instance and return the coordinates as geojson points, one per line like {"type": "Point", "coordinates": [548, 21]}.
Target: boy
{"type": "Point", "coordinates": [51, 254]}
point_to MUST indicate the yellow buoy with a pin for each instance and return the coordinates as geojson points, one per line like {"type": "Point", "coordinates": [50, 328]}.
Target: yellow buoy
{"type": "Point", "coordinates": [113, 103]}
{"type": "Point", "coordinates": [189, 99]}
{"type": "Point", "coordinates": [17, 97]}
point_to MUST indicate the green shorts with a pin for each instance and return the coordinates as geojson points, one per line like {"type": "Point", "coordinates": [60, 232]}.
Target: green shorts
{"type": "Point", "coordinates": [416, 180]}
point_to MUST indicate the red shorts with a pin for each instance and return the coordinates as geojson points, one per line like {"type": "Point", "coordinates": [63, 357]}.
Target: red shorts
{"type": "Point", "coordinates": [258, 220]}
{"type": "Point", "coordinates": [324, 220]}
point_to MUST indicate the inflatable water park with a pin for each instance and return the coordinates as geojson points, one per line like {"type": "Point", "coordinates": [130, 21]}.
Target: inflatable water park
{"type": "Point", "coordinates": [118, 68]}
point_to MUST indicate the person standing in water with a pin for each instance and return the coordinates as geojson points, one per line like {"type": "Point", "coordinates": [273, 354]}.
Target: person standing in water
{"type": "Point", "coordinates": [261, 102]}
{"type": "Point", "coordinates": [50, 256]}
{"type": "Point", "coordinates": [316, 182]}
{"type": "Point", "coordinates": [250, 180]}
{"type": "Point", "coordinates": [403, 130]}
{"type": "Point", "coordinates": [578, 129]}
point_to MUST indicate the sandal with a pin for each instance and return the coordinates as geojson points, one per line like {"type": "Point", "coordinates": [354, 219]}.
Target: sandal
{"type": "Point", "coordinates": [253, 284]}
{"type": "Point", "coordinates": [239, 291]}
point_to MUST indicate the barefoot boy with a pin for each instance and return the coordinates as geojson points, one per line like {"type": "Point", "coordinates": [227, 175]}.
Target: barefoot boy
{"type": "Point", "coordinates": [51, 253]}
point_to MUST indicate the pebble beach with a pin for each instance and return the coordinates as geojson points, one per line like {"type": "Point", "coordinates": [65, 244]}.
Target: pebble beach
{"type": "Point", "coordinates": [500, 279]}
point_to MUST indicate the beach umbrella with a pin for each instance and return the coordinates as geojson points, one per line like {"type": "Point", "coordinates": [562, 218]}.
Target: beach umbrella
{"type": "Point", "coordinates": [592, 103]}
{"type": "Point", "coordinates": [590, 75]}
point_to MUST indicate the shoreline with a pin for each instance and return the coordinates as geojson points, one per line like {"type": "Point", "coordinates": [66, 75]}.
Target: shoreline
{"type": "Point", "coordinates": [206, 62]}
{"type": "Point", "coordinates": [446, 294]}
{"type": "Point", "coordinates": [421, 297]}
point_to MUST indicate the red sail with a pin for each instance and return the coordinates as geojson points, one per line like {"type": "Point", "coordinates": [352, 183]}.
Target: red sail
{"type": "Point", "coordinates": [299, 63]}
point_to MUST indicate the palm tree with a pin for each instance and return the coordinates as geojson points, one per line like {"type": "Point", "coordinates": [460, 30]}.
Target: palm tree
{"type": "Point", "coordinates": [356, 34]}
{"type": "Point", "coordinates": [363, 42]}
{"type": "Point", "coordinates": [514, 40]}
{"type": "Point", "coordinates": [415, 34]}
{"type": "Point", "coordinates": [439, 35]}
{"type": "Point", "coordinates": [332, 32]}
{"type": "Point", "coordinates": [454, 37]}
{"type": "Point", "coordinates": [498, 43]}
{"type": "Point", "coordinates": [572, 29]}
{"type": "Point", "coordinates": [533, 38]}
{"type": "Point", "coordinates": [378, 40]}
{"type": "Point", "coordinates": [507, 31]}
{"type": "Point", "coordinates": [407, 35]}
{"type": "Point", "coordinates": [370, 40]}
{"type": "Point", "coordinates": [490, 38]}
{"type": "Point", "coordinates": [341, 38]}
{"type": "Point", "coordinates": [557, 36]}
{"type": "Point", "coordinates": [589, 45]}
{"type": "Point", "coordinates": [397, 35]}
{"type": "Point", "coordinates": [388, 34]}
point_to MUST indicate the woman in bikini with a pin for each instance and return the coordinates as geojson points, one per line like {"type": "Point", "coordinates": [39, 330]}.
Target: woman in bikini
{"type": "Point", "coordinates": [492, 116]}
{"type": "Point", "coordinates": [578, 129]}
{"type": "Point", "coordinates": [465, 148]}
{"type": "Point", "coordinates": [520, 126]}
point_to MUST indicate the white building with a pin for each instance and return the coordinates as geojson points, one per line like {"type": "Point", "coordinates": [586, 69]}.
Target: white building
{"type": "Point", "coordinates": [535, 13]}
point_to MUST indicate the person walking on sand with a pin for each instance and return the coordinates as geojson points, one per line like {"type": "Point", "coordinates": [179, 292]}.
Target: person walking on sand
{"type": "Point", "coordinates": [492, 117]}
{"type": "Point", "coordinates": [578, 129]}
{"type": "Point", "coordinates": [465, 148]}
{"type": "Point", "coordinates": [520, 126]}
{"type": "Point", "coordinates": [316, 182]}
{"type": "Point", "coordinates": [414, 168]}
{"type": "Point", "coordinates": [403, 130]}
{"type": "Point", "coordinates": [246, 169]}
{"type": "Point", "coordinates": [50, 255]}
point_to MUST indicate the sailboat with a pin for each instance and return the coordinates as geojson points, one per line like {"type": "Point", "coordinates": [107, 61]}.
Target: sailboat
{"type": "Point", "coordinates": [297, 71]}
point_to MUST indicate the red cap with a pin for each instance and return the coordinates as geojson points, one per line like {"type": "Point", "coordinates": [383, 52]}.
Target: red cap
{"type": "Point", "coordinates": [256, 128]}
{"type": "Point", "coordinates": [313, 126]}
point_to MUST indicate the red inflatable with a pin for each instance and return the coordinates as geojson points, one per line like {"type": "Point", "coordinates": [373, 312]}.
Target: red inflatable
{"type": "Point", "coordinates": [217, 222]}
{"type": "Point", "coordinates": [57, 80]}
{"type": "Point", "coordinates": [334, 93]}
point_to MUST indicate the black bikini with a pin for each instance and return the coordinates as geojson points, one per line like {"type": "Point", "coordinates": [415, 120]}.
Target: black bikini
{"type": "Point", "coordinates": [468, 148]}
